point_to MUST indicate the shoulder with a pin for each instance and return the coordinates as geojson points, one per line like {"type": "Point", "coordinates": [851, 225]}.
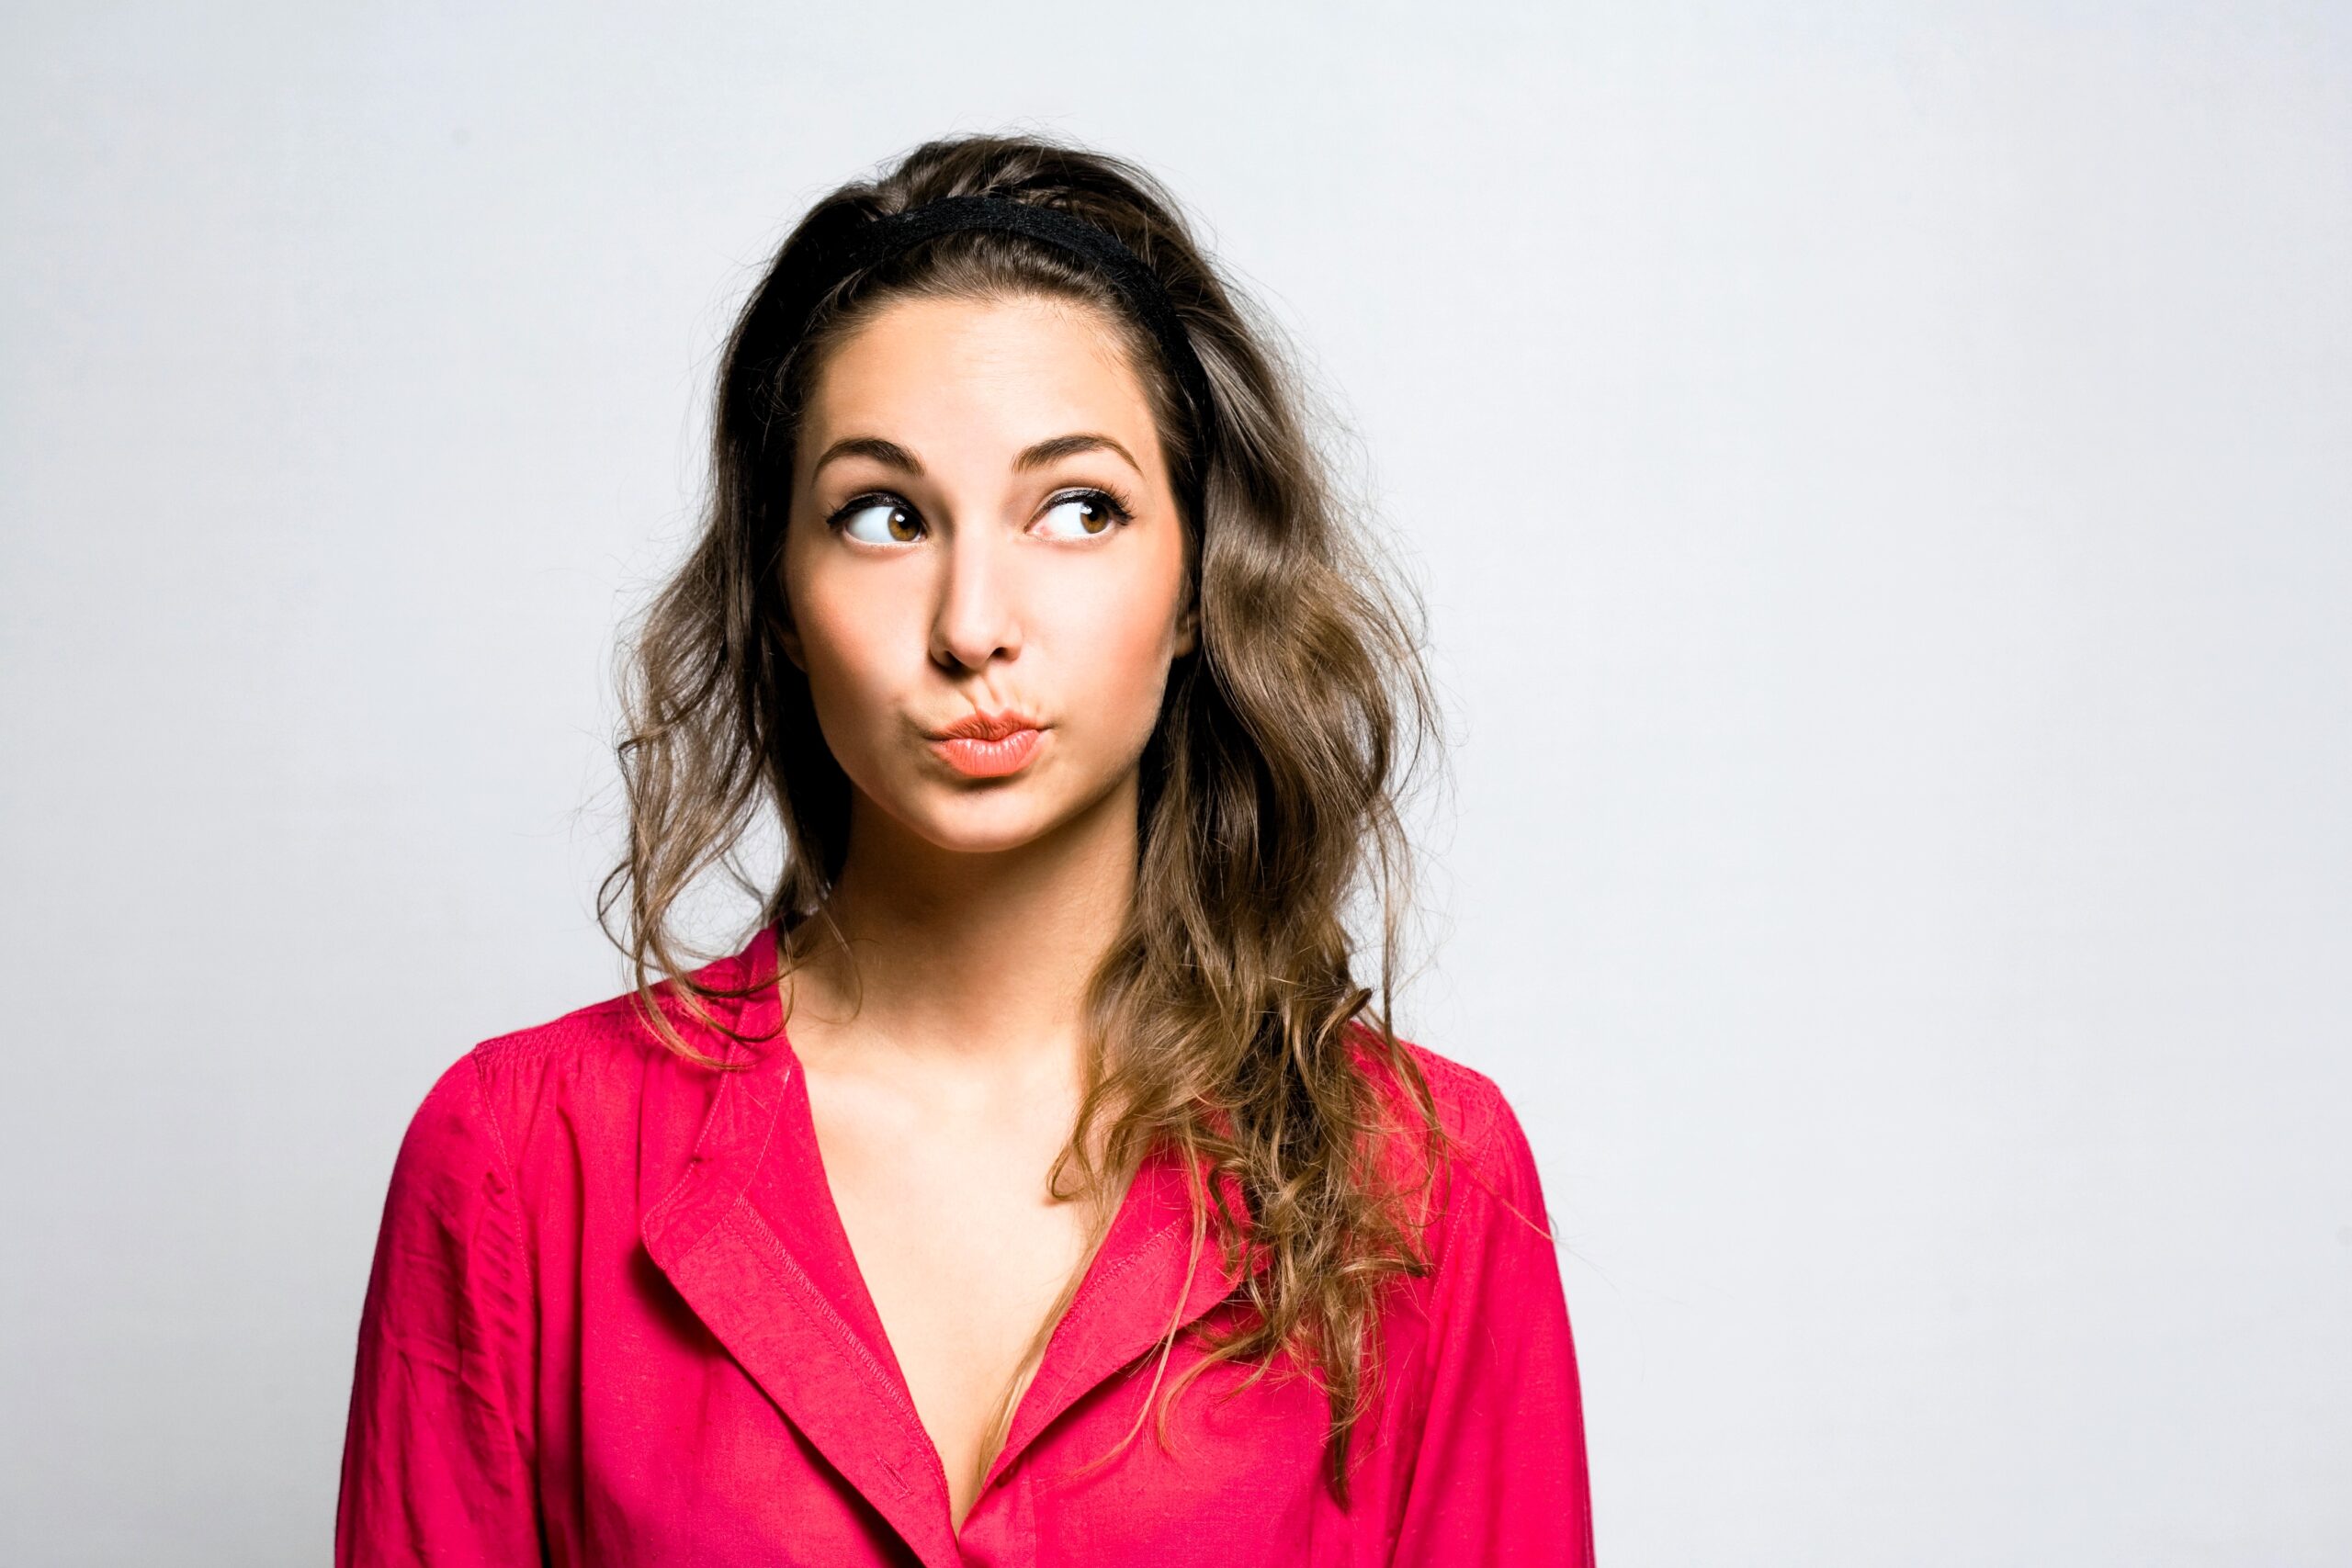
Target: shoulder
{"type": "Point", "coordinates": [1480, 1129]}
{"type": "Point", "coordinates": [591, 1062]}
{"type": "Point", "coordinates": [1478, 1178]}
{"type": "Point", "coordinates": [593, 1087]}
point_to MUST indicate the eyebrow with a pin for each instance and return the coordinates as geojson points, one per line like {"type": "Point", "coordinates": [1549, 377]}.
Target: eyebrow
{"type": "Point", "coordinates": [1062, 446]}
{"type": "Point", "coordinates": [887, 452]}
{"type": "Point", "coordinates": [891, 455]}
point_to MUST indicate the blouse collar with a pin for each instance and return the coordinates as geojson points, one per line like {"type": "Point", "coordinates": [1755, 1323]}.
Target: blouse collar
{"type": "Point", "coordinates": [750, 1237]}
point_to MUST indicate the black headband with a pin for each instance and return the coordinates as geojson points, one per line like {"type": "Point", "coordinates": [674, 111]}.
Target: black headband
{"type": "Point", "coordinates": [833, 257]}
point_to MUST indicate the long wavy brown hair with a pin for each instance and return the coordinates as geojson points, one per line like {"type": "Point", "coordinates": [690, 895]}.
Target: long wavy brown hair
{"type": "Point", "coordinates": [1227, 1022]}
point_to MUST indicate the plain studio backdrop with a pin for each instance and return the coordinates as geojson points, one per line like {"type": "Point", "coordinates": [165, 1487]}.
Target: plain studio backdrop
{"type": "Point", "coordinates": [1880, 478]}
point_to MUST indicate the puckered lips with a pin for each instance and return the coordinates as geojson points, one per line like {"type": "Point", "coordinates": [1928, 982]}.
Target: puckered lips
{"type": "Point", "coordinates": [989, 745]}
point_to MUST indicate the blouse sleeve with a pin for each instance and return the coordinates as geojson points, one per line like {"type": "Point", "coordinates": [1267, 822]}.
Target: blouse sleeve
{"type": "Point", "coordinates": [1500, 1473]}
{"type": "Point", "coordinates": [438, 1451]}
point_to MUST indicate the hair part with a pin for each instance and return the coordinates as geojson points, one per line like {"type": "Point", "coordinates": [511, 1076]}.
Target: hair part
{"type": "Point", "coordinates": [1226, 1022]}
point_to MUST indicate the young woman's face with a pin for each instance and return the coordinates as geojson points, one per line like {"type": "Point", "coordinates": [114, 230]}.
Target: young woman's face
{"type": "Point", "coordinates": [982, 526]}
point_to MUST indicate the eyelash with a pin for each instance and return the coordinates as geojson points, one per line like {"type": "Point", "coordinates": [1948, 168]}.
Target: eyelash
{"type": "Point", "coordinates": [1121, 510]}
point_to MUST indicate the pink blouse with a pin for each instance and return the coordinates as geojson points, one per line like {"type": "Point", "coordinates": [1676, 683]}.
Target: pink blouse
{"type": "Point", "coordinates": [613, 1319]}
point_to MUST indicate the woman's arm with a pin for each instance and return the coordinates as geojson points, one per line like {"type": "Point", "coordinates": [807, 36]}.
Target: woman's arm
{"type": "Point", "coordinates": [437, 1454]}
{"type": "Point", "coordinates": [1500, 1473]}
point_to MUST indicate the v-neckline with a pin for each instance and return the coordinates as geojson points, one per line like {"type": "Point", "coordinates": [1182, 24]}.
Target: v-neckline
{"type": "Point", "coordinates": [753, 1238]}
{"type": "Point", "coordinates": [866, 1317]}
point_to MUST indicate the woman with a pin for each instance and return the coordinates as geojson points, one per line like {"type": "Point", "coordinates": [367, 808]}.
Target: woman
{"type": "Point", "coordinates": [1037, 1185]}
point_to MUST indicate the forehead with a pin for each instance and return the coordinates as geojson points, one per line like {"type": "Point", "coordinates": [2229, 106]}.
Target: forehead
{"type": "Point", "coordinates": [954, 376]}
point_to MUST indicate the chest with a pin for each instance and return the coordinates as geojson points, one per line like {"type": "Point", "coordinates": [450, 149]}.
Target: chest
{"type": "Point", "coordinates": [723, 1389]}
{"type": "Point", "coordinates": [966, 1254]}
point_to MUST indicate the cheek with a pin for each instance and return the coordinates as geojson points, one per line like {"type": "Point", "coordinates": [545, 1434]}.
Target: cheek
{"type": "Point", "coordinates": [851, 649]}
{"type": "Point", "coordinates": [1118, 648]}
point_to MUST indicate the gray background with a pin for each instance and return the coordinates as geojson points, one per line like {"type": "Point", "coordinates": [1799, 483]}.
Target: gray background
{"type": "Point", "coordinates": [1880, 474]}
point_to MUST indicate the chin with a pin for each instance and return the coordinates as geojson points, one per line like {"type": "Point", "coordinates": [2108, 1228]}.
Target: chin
{"type": "Point", "coordinates": [976, 824]}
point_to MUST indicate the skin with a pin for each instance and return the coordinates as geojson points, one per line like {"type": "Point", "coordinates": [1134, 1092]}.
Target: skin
{"type": "Point", "coordinates": [976, 907]}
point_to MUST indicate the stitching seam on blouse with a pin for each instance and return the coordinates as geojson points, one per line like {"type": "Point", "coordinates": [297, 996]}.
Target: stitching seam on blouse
{"type": "Point", "coordinates": [1094, 1287]}
{"type": "Point", "coordinates": [510, 1197]}
{"type": "Point", "coordinates": [772, 1250]}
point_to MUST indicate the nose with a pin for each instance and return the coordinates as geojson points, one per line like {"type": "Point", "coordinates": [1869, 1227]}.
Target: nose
{"type": "Point", "coordinates": [980, 600]}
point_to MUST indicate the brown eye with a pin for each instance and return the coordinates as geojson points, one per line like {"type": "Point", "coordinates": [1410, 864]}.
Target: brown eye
{"type": "Point", "coordinates": [895, 521]}
{"type": "Point", "coordinates": [1089, 512]}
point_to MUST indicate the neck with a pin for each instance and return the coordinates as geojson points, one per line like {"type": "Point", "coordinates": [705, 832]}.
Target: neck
{"type": "Point", "coordinates": [979, 958]}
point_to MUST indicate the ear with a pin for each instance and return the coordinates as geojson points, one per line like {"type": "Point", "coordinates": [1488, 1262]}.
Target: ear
{"type": "Point", "coordinates": [788, 638]}
{"type": "Point", "coordinates": [1188, 619]}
